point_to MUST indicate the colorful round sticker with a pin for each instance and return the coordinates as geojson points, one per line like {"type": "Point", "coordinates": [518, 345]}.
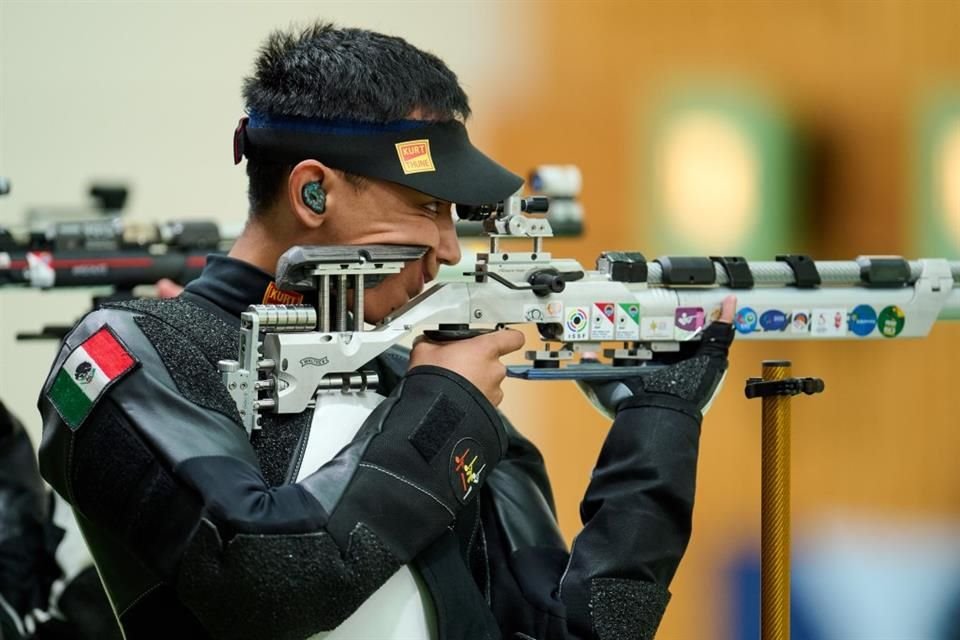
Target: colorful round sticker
{"type": "Point", "coordinates": [801, 322]}
{"type": "Point", "coordinates": [576, 320]}
{"type": "Point", "coordinates": [891, 321]}
{"type": "Point", "coordinates": [862, 320]}
{"type": "Point", "coordinates": [774, 320]}
{"type": "Point", "coordinates": [745, 320]}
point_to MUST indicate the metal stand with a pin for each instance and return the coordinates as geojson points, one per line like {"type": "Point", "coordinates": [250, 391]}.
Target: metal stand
{"type": "Point", "coordinates": [776, 387]}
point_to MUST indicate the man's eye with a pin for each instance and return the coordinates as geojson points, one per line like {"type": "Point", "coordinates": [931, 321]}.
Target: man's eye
{"type": "Point", "coordinates": [432, 207]}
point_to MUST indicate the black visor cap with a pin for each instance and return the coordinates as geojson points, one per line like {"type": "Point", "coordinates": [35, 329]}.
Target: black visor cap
{"type": "Point", "coordinates": [437, 158]}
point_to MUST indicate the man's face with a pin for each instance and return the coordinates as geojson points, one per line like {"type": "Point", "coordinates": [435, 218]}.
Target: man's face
{"type": "Point", "coordinates": [380, 212]}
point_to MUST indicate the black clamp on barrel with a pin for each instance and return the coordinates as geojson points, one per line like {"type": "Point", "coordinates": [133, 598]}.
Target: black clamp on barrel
{"type": "Point", "coordinates": [758, 388]}
{"type": "Point", "coordinates": [690, 271]}
{"type": "Point", "coordinates": [884, 272]}
{"type": "Point", "coordinates": [804, 270]}
{"type": "Point", "coordinates": [738, 271]}
{"type": "Point", "coordinates": [623, 266]}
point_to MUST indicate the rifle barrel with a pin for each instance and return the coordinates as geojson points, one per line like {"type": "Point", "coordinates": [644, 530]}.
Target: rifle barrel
{"type": "Point", "coordinates": [123, 269]}
{"type": "Point", "coordinates": [774, 274]}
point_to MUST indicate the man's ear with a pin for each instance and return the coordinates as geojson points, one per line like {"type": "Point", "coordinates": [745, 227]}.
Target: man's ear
{"type": "Point", "coordinates": [308, 187]}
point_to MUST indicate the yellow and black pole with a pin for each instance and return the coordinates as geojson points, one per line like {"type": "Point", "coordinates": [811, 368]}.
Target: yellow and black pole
{"type": "Point", "coordinates": [776, 388]}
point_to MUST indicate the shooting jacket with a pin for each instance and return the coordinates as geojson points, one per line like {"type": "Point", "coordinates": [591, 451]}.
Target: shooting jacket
{"type": "Point", "coordinates": [198, 531]}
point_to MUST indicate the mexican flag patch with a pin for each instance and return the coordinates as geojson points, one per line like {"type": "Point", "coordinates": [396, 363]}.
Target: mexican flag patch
{"type": "Point", "coordinates": [88, 371]}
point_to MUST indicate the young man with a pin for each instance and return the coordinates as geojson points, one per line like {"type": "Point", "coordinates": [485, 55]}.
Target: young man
{"type": "Point", "coordinates": [199, 531]}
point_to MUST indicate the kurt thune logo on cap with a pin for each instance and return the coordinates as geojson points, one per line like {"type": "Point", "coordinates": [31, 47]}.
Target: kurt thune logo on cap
{"type": "Point", "coordinates": [276, 295]}
{"type": "Point", "coordinates": [415, 156]}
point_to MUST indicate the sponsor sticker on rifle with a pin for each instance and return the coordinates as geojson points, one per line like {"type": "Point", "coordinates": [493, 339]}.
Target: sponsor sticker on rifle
{"type": "Point", "coordinates": [689, 321]}
{"type": "Point", "coordinates": [627, 321]}
{"type": "Point", "coordinates": [90, 369]}
{"type": "Point", "coordinates": [415, 156]}
{"type": "Point", "coordinates": [746, 320]}
{"type": "Point", "coordinates": [891, 321]}
{"type": "Point", "coordinates": [800, 321]}
{"type": "Point", "coordinates": [550, 312]}
{"type": "Point", "coordinates": [601, 321]}
{"type": "Point", "coordinates": [774, 320]}
{"type": "Point", "coordinates": [828, 323]}
{"type": "Point", "coordinates": [576, 325]}
{"type": "Point", "coordinates": [862, 320]}
{"type": "Point", "coordinates": [657, 328]}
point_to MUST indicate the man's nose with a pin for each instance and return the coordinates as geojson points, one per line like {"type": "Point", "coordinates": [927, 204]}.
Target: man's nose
{"type": "Point", "coordinates": [448, 251]}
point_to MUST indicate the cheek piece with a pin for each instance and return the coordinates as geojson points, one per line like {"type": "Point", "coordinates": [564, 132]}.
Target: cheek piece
{"type": "Point", "coordinates": [314, 197]}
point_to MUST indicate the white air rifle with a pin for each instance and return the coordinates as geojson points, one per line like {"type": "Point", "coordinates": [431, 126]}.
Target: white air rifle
{"type": "Point", "coordinates": [644, 313]}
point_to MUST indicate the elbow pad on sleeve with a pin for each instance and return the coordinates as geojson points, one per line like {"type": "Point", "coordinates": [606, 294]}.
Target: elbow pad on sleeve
{"type": "Point", "coordinates": [431, 446]}
{"type": "Point", "coordinates": [404, 488]}
{"type": "Point", "coordinates": [621, 608]}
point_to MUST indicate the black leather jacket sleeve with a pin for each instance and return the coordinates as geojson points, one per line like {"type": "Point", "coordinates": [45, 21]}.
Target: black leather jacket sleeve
{"type": "Point", "coordinates": [636, 516]}
{"type": "Point", "coordinates": [175, 487]}
{"type": "Point", "coordinates": [28, 538]}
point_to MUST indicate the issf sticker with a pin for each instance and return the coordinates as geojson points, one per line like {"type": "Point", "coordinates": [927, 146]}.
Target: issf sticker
{"type": "Point", "coordinates": [774, 320]}
{"type": "Point", "coordinates": [800, 321]}
{"type": "Point", "coordinates": [689, 321]}
{"type": "Point", "coordinates": [745, 320]}
{"type": "Point", "coordinates": [657, 328]}
{"type": "Point", "coordinates": [576, 324]}
{"type": "Point", "coordinates": [601, 321]}
{"type": "Point", "coordinates": [891, 321]}
{"type": "Point", "coordinates": [862, 320]}
{"type": "Point", "coordinates": [627, 321]}
{"type": "Point", "coordinates": [828, 323]}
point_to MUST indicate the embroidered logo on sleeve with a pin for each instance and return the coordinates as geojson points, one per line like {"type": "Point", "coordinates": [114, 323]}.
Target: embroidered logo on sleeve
{"type": "Point", "coordinates": [467, 464]}
{"type": "Point", "coordinates": [89, 370]}
{"type": "Point", "coordinates": [415, 156]}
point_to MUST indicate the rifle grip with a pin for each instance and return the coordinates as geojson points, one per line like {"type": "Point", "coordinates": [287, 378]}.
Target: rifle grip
{"type": "Point", "coordinates": [453, 332]}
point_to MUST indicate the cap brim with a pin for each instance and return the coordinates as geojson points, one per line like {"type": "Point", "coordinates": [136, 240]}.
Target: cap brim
{"type": "Point", "coordinates": [436, 158]}
{"type": "Point", "coordinates": [463, 175]}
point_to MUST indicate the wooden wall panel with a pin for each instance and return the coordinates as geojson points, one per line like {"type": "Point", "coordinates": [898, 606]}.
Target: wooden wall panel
{"type": "Point", "coordinates": [885, 436]}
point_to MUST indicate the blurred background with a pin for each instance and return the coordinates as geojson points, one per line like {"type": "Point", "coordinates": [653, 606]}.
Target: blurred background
{"type": "Point", "coordinates": [728, 128]}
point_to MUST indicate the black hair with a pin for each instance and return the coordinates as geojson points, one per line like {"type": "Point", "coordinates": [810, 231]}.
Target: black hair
{"type": "Point", "coordinates": [325, 73]}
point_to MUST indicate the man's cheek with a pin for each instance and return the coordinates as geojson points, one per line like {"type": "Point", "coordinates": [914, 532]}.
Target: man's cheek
{"type": "Point", "coordinates": [374, 307]}
{"type": "Point", "coordinates": [425, 233]}
{"type": "Point", "coordinates": [386, 297]}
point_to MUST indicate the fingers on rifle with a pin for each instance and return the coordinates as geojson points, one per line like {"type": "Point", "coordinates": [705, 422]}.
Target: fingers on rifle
{"type": "Point", "coordinates": [421, 339]}
{"type": "Point", "coordinates": [508, 341]}
{"type": "Point", "coordinates": [728, 308]}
